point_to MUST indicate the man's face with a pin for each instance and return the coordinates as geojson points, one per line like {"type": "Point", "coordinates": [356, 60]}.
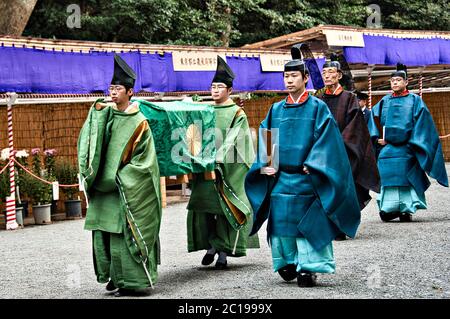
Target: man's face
{"type": "Point", "coordinates": [362, 103]}
{"type": "Point", "coordinates": [331, 76]}
{"type": "Point", "coordinates": [220, 92]}
{"type": "Point", "coordinates": [119, 94]}
{"type": "Point", "coordinates": [398, 84]}
{"type": "Point", "coordinates": [294, 81]}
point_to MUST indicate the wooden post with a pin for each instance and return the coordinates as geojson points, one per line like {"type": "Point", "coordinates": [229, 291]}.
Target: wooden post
{"type": "Point", "coordinates": [163, 191]}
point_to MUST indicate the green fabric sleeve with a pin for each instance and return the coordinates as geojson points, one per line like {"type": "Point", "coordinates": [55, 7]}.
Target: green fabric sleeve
{"type": "Point", "coordinates": [138, 183]}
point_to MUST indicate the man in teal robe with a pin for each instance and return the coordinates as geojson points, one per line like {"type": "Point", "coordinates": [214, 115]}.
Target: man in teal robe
{"type": "Point", "coordinates": [119, 171]}
{"type": "Point", "coordinates": [219, 214]}
{"type": "Point", "coordinates": [409, 148]}
{"type": "Point", "coordinates": [307, 194]}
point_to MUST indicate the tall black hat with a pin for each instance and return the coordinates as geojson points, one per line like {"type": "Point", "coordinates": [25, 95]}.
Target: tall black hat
{"type": "Point", "coordinates": [339, 62]}
{"type": "Point", "coordinates": [296, 64]}
{"type": "Point", "coordinates": [303, 60]}
{"type": "Point", "coordinates": [123, 73]}
{"type": "Point", "coordinates": [224, 74]}
{"type": "Point", "coordinates": [333, 62]}
{"type": "Point", "coordinates": [360, 95]}
{"type": "Point", "coordinates": [401, 71]}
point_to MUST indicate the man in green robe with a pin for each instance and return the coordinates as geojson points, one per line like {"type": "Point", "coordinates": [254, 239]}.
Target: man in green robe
{"type": "Point", "coordinates": [120, 176]}
{"type": "Point", "coordinates": [219, 213]}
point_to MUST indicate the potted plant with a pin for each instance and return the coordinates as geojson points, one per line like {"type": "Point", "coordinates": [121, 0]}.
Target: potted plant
{"type": "Point", "coordinates": [4, 183]}
{"type": "Point", "coordinates": [4, 186]}
{"type": "Point", "coordinates": [40, 192]}
{"type": "Point", "coordinates": [67, 174]}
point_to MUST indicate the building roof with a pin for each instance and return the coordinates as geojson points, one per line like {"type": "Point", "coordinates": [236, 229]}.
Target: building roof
{"type": "Point", "coordinates": [85, 49]}
{"type": "Point", "coordinates": [88, 46]}
{"type": "Point", "coordinates": [317, 36]}
{"type": "Point", "coordinates": [436, 76]}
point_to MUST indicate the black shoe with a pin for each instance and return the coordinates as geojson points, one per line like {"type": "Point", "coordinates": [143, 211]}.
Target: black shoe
{"type": "Point", "coordinates": [306, 279]}
{"type": "Point", "coordinates": [208, 259]}
{"type": "Point", "coordinates": [123, 292]}
{"type": "Point", "coordinates": [288, 272]}
{"type": "Point", "coordinates": [110, 286]}
{"type": "Point", "coordinates": [341, 237]}
{"type": "Point", "coordinates": [221, 265]}
{"type": "Point", "coordinates": [405, 217]}
{"type": "Point", "coordinates": [386, 217]}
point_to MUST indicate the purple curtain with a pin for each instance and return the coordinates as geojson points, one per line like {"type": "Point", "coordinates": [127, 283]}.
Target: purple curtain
{"type": "Point", "coordinates": [45, 71]}
{"type": "Point", "coordinates": [42, 71]}
{"type": "Point", "coordinates": [249, 76]}
{"type": "Point", "coordinates": [157, 73]}
{"type": "Point", "coordinates": [388, 51]}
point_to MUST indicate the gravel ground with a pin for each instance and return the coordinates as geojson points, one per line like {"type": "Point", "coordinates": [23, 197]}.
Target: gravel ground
{"type": "Point", "coordinates": [385, 260]}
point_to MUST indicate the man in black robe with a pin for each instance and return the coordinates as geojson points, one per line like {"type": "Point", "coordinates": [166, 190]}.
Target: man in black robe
{"type": "Point", "coordinates": [345, 109]}
{"type": "Point", "coordinates": [362, 101]}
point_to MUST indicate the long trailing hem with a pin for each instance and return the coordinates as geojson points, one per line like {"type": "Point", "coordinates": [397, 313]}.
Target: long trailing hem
{"type": "Point", "coordinates": [402, 199]}
{"type": "Point", "coordinates": [206, 230]}
{"type": "Point", "coordinates": [298, 251]}
{"type": "Point", "coordinates": [114, 261]}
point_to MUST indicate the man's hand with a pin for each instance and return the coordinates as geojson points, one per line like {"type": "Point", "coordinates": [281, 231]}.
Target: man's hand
{"type": "Point", "coordinates": [381, 142]}
{"type": "Point", "coordinates": [268, 170]}
{"type": "Point", "coordinates": [101, 105]}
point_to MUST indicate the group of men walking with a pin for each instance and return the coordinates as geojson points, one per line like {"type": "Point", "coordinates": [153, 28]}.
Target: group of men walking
{"type": "Point", "coordinates": [316, 161]}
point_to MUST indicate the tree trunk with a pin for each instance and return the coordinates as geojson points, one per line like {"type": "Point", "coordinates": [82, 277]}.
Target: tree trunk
{"type": "Point", "coordinates": [225, 37]}
{"type": "Point", "coordinates": [14, 16]}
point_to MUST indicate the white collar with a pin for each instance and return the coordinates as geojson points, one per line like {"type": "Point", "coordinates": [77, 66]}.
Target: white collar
{"type": "Point", "coordinates": [130, 107]}
{"type": "Point", "coordinates": [299, 98]}
{"type": "Point", "coordinates": [337, 88]}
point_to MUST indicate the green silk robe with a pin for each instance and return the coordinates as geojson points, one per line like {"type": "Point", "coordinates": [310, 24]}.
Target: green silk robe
{"type": "Point", "coordinates": [119, 171]}
{"type": "Point", "coordinates": [219, 213]}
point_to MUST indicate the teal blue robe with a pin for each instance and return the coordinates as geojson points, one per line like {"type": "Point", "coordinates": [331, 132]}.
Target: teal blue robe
{"type": "Point", "coordinates": [413, 149]}
{"type": "Point", "coordinates": [317, 206]}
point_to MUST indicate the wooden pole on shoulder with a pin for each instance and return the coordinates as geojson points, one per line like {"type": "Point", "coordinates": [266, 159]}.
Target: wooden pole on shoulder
{"type": "Point", "coordinates": [163, 191]}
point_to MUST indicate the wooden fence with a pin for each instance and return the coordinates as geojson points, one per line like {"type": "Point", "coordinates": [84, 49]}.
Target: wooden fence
{"type": "Point", "coordinates": [56, 126]}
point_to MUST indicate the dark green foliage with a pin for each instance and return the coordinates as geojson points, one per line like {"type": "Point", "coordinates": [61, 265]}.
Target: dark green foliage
{"type": "Point", "coordinates": [222, 22]}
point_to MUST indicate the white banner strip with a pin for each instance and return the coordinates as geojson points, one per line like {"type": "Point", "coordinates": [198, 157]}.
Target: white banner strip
{"type": "Point", "coordinates": [195, 61]}
{"type": "Point", "coordinates": [274, 62]}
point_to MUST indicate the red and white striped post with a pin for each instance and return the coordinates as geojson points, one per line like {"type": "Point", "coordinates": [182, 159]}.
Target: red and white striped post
{"type": "Point", "coordinates": [421, 81]}
{"type": "Point", "coordinates": [370, 68]}
{"type": "Point", "coordinates": [11, 223]}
